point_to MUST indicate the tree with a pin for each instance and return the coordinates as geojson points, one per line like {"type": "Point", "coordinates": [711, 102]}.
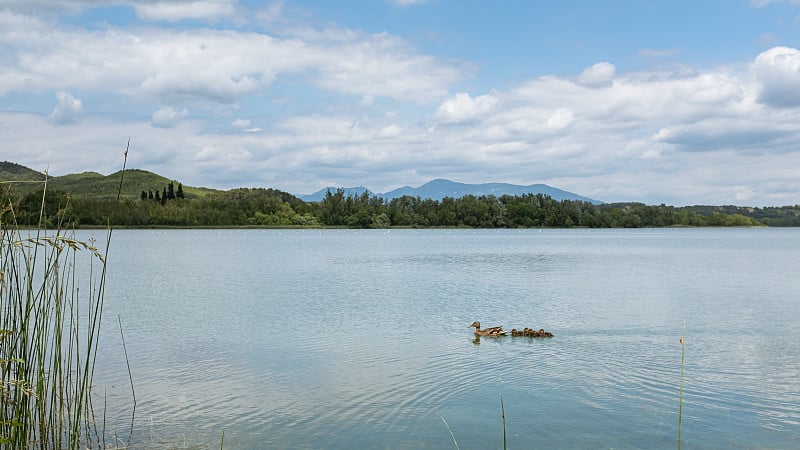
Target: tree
{"type": "Point", "coordinates": [144, 195]}
{"type": "Point", "coordinates": [179, 193]}
{"type": "Point", "coordinates": [164, 196]}
{"type": "Point", "coordinates": [170, 191]}
{"type": "Point", "coordinates": [381, 221]}
{"type": "Point", "coordinates": [333, 208]}
{"type": "Point", "coordinates": [158, 196]}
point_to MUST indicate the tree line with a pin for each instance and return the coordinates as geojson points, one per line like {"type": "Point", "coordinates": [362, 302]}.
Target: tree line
{"type": "Point", "coordinates": [269, 207]}
{"type": "Point", "coordinates": [168, 193]}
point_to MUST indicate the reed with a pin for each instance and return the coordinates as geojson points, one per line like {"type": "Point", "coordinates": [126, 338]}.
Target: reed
{"type": "Point", "coordinates": [453, 436]}
{"type": "Point", "coordinates": [680, 389]}
{"type": "Point", "coordinates": [52, 290]}
{"type": "Point", "coordinates": [503, 416]}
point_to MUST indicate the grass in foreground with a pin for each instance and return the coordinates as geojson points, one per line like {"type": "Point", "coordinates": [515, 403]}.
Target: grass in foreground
{"type": "Point", "coordinates": [48, 336]}
{"type": "Point", "coordinates": [51, 304]}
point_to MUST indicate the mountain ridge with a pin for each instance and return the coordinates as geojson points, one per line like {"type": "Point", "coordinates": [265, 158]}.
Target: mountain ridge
{"type": "Point", "coordinates": [95, 185]}
{"type": "Point", "coordinates": [439, 188]}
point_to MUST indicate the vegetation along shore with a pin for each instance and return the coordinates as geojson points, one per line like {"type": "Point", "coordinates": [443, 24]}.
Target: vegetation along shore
{"type": "Point", "coordinates": [150, 200]}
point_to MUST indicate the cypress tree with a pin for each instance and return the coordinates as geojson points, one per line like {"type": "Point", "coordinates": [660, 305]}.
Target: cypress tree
{"type": "Point", "coordinates": [164, 196]}
{"type": "Point", "coordinates": [143, 196]}
{"type": "Point", "coordinates": [170, 191]}
{"type": "Point", "coordinates": [179, 193]}
{"type": "Point", "coordinates": [158, 196]}
{"type": "Point", "coordinates": [150, 195]}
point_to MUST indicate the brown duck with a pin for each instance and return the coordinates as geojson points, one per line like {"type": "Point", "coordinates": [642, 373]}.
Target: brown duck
{"type": "Point", "coordinates": [491, 331]}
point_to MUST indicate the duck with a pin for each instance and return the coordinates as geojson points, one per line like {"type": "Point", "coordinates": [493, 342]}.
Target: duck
{"type": "Point", "coordinates": [491, 331]}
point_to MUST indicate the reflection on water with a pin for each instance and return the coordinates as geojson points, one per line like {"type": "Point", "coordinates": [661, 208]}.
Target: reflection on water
{"type": "Point", "coordinates": [342, 338]}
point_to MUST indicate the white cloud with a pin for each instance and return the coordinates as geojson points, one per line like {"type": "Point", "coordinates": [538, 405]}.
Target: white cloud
{"type": "Point", "coordinates": [381, 65]}
{"type": "Point", "coordinates": [166, 117]}
{"type": "Point", "coordinates": [391, 131]}
{"type": "Point", "coordinates": [244, 125]}
{"type": "Point", "coordinates": [462, 107]}
{"type": "Point", "coordinates": [600, 74]}
{"type": "Point", "coordinates": [778, 69]}
{"type": "Point", "coordinates": [367, 100]}
{"type": "Point", "coordinates": [67, 109]}
{"type": "Point", "coordinates": [157, 10]}
{"type": "Point", "coordinates": [172, 11]}
{"type": "Point", "coordinates": [240, 123]}
{"type": "Point", "coordinates": [219, 66]}
{"type": "Point", "coordinates": [560, 119]}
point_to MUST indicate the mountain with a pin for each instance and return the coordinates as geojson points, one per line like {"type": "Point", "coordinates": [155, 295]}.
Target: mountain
{"type": "Point", "coordinates": [92, 184]}
{"type": "Point", "coordinates": [348, 192]}
{"type": "Point", "coordinates": [439, 188]}
{"type": "Point", "coordinates": [14, 172]}
{"type": "Point", "coordinates": [95, 185]}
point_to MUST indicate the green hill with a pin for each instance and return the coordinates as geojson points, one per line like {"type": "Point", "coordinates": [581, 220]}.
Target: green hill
{"type": "Point", "coordinates": [14, 172]}
{"type": "Point", "coordinates": [92, 184]}
{"type": "Point", "coordinates": [95, 185]}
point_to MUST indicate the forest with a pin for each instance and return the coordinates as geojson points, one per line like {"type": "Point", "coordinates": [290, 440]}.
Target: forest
{"type": "Point", "coordinates": [261, 207]}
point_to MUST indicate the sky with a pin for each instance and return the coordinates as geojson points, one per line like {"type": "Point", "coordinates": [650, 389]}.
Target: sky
{"type": "Point", "coordinates": [680, 102]}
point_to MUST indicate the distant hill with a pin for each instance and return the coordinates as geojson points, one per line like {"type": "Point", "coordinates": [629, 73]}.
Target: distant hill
{"type": "Point", "coordinates": [348, 192]}
{"type": "Point", "coordinates": [98, 186]}
{"type": "Point", "coordinates": [440, 188]}
{"type": "Point", "coordinates": [14, 172]}
{"type": "Point", "coordinates": [93, 184]}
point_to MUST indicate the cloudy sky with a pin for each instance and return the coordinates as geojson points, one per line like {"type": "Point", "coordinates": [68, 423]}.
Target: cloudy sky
{"type": "Point", "coordinates": [677, 102]}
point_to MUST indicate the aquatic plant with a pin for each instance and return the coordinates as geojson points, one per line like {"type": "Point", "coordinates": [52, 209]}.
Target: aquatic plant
{"type": "Point", "coordinates": [680, 389]}
{"type": "Point", "coordinates": [52, 288]}
{"type": "Point", "coordinates": [503, 416]}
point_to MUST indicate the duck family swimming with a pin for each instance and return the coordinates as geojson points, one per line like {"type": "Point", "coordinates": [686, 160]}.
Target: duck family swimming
{"type": "Point", "coordinates": [498, 331]}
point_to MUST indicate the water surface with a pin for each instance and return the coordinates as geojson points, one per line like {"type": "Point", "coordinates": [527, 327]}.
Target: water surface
{"type": "Point", "coordinates": [354, 338]}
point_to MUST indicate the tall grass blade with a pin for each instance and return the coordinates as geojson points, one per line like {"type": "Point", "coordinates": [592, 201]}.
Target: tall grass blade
{"type": "Point", "coordinates": [680, 389]}
{"type": "Point", "coordinates": [503, 416]}
{"type": "Point", "coordinates": [130, 375]}
{"type": "Point", "coordinates": [453, 436]}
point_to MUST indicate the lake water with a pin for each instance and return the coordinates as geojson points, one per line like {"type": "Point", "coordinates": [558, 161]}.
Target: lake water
{"type": "Point", "coordinates": [360, 339]}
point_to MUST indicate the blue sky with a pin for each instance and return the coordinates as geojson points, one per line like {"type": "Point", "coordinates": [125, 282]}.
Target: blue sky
{"type": "Point", "coordinates": [680, 102]}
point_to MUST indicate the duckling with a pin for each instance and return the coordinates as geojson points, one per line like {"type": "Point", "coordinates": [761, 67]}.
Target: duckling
{"type": "Point", "coordinates": [530, 332]}
{"type": "Point", "coordinates": [527, 332]}
{"type": "Point", "coordinates": [491, 331]}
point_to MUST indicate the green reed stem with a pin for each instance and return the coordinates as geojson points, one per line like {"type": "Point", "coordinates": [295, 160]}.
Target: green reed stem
{"type": "Point", "coordinates": [130, 375]}
{"type": "Point", "coordinates": [503, 416]}
{"type": "Point", "coordinates": [680, 390]}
